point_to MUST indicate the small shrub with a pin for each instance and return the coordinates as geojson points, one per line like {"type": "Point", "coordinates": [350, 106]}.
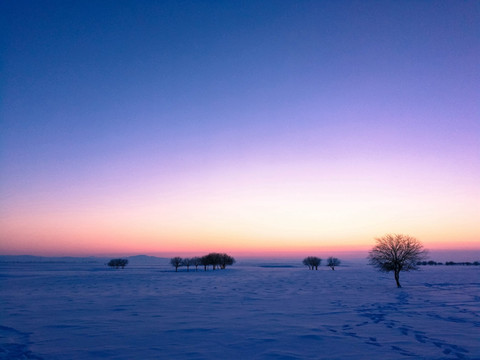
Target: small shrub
{"type": "Point", "coordinates": [117, 263]}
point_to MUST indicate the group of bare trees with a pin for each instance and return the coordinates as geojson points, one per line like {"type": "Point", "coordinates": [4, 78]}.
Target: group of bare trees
{"type": "Point", "coordinates": [215, 260]}
{"type": "Point", "coordinates": [314, 262]}
{"type": "Point", "coordinates": [391, 253]}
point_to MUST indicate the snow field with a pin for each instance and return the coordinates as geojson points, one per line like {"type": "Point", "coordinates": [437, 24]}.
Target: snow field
{"type": "Point", "coordinates": [87, 311]}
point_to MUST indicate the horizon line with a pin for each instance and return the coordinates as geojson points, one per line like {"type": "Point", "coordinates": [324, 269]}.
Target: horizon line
{"type": "Point", "coordinates": [241, 254]}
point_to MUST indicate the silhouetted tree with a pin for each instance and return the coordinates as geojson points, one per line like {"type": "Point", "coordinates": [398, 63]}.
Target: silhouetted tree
{"type": "Point", "coordinates": [332, 262]}
{"type": "Point", "coordinates": [205, 261]}
{"type": "Point", "coordinates": [176, 262]}
{"type": "Point", "coordinates": [396, 253]}
{"type": "Point", "coordinates": [196, 261]}
{"type": "Point", "coordinates": [214, 259]}
{"type": "Point", "coordinates": [187, 262]}
{"type": "Point", "coordinates": [312, 262]}
{"type": "Point", "coordinates": [226, 260]}
{"type": "Point", "coordinates": [116, 263]}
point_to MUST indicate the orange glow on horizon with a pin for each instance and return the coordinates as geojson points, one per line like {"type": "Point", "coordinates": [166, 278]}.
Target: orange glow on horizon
{"type": "Point", "coordinates": [119, 241]}
{"type": "Point", "coordinates": [237, 214]}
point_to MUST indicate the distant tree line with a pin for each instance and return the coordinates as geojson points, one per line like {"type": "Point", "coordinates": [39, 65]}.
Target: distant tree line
{"type": "Point", "coordinates": [215, 260]}
{"type": "Point", "coordinates": [392, 253]}
{"type": "Point", "coordinates": [431, 262]}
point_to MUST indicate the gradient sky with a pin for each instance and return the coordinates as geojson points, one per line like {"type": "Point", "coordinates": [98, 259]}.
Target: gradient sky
{"type": "Point", "coordinates": [254, 127]}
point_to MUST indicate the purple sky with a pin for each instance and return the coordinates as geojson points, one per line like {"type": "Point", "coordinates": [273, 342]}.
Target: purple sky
{"type": "Point", "coordinates": [245, 125]}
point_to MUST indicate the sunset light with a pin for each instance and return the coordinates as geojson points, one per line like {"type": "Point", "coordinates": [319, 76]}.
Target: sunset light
{"type": "Point", "coordinates": [255, 179]}
{"type": "Point", "coordinates": [284, 131]}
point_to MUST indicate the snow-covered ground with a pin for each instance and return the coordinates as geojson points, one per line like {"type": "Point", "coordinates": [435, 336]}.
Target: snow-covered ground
{"type": "Point", "coordinates": [252, 310]}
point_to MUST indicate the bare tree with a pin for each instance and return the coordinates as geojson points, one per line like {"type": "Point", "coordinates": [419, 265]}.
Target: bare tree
{"type": "Point", "coordinates": [205, 261]}
{"type": "Point", "coordinates": [187, 262]}
{"type": "Point", "coordinates": [396, 252]}
{"type": "Point", "coordinates": [214, 259]}
{"type": "Point", "coordinates": [312, 262]}
{"type": "Point", "coordinates": [196, 261]}
{"type": "Point", "coordinates": [332, 262]}
{"type": "Point", "coordinates": [226, 260]}
{"type": "Point", "coordinates": [176, 262]}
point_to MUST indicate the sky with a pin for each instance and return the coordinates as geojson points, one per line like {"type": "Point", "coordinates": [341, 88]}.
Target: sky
{"type": "Point", "coordinates": [252, 127]}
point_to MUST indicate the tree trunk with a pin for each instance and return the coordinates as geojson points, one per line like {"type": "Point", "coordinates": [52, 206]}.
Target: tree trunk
{"type": "Point", "coordinates": [397, 278]}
